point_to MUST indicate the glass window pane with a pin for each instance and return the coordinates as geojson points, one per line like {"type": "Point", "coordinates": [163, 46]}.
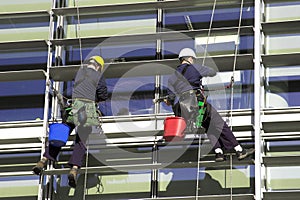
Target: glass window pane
{"type": "Point", "coordinates": [283, 87]}
{"type": "Point", "coordinates": [181, 181]}
{"type": "Point", "coordinates": [220, 90]}
{"type": "Point", "coordinates": [130, 96]}
{"type": "Point", "coordinates": [118, 186]}
{"type": "Point", "coordinates": [197, 18]}
{"type": "Point", "coordinates": [23, 6]}
{"type": "Point", "coordinates": [283, 178]}
{"type": "Point", "coordinates": [289, 43]}
{"type": "Point", "coordinates": [72, 3]}
{"type": "Point", "coordinates": [27, 27]}
{"type": "Point", "coordinates": [112, 50]}
{"type": "Point", "coordinates": [25, 186]}
{"type": "Point", "coordinates": [123, 24]}
{"type": "Point", "coordinates": [283, 11]}
{"type": "Point", "coordinates": [224, 44]}
{"type": "Point", "coordinates": [23, 59]}
{"type": "Point", "coordinates": [17, 88]}
{"type": "Point", "coordinates": [20, 34]}
{"type": "Point", "coordinates": [26, 97]}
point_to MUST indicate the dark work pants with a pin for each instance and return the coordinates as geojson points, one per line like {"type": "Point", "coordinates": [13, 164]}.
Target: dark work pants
{"type": "Point", "coordinates": [80, 146]}
{"type": "Point", "coordinates": [79, 149]}
{"type": "Point", "coordinates": [217, 130]}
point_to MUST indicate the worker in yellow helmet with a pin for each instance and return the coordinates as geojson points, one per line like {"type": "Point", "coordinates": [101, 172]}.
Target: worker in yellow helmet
{"type": "Point", "coordinates": [86, 78]}
{"type": "Point", "coordinates": [98, 61]}
{"type": "Point", "coordinates": [89, 89]}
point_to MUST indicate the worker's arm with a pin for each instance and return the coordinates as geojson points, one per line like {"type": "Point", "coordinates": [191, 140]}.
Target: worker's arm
{"type": "Point", "coordinates": [206, 71]}
{"type": "Point", "coordinates": [101, 92]}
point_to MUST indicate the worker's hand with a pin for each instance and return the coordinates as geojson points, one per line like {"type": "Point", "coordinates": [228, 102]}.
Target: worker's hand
{"type": "Point", "coordinates": [167, 102]}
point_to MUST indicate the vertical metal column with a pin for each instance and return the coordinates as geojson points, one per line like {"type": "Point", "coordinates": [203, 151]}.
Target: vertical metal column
{"type": "Point", "coordinates": [154, 173]}
{"type": "Point", "coordinates": [47, 90]}
{"type": "Point", "coordinates": [59, 34]}
{"type": "Point", "coordinates": [158, 56]}
{"type": "Point", "coordinates": [257, 99]}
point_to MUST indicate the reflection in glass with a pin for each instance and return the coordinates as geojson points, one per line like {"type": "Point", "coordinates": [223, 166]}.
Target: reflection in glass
{"type": "Point", "coordinates": [283, 87]}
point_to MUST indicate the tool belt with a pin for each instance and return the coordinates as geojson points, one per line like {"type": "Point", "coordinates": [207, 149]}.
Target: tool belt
{"type": "Point", "coordinates": [84, 112]}
{"type": "Point", "coordinates": [193, 107]}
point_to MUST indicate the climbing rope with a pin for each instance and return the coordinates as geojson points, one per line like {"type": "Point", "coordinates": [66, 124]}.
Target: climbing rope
{"type": "Point", "coordinates": [232, 84]}
{"type": "Point", "coordinates": [78, 32]}
{"type": "Point", "coordinates": [81, 65]}
{"type": "Point", "coordinates": [209, 31]}
{"type": "Point", "coordinates": [200, 138]}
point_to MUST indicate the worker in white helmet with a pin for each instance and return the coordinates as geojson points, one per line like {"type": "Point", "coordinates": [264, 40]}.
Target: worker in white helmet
{"type": "Point", "coordinates": [186, 86]}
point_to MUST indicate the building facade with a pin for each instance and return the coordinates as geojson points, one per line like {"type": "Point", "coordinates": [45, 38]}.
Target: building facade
{"type": "Point", "coordinates": [254, 45]}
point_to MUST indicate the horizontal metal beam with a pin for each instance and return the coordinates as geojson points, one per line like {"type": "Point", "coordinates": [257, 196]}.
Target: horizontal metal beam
{"type": "Point", "coordinates": [106, 170]}
{"type": "Point", "coordinates": [282, 27]}
{"type": "Point", "coordinates": [154, 67]}
{"type": "Point", "coordinates": [280, 195]}
{"type": "Point", "coordinates": [16, 173]}
{"type": "Point", "coordinates": [209, 197]}
{"type": "Point", "coordinates": [143, 7]}
{"type": "Point", "coordinates": [22, 75]}
{"type": "Point", "coordinates": [28, 14]}
{"type": "Point", "coordinates": [152, 37]}
{"type": "Point", "coordinates": [279, 161]}
{"type": "Point", "coordinates": [213, 164]}
{"type": "Point", "coordinates": [27, 44]}
{"type": "Point", "coordinates": [279, 1]}
{"type": "Point", "coordinates": [281, 120]}
{"type": "Point", "coordinates": [119, 169]}
{"type": "Point", "coordinates": [277, 60]}
{"type": "Point", "coordinates": [269, 136]}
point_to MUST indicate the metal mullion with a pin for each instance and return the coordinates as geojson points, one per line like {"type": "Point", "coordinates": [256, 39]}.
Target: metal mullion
{"type": "Point", "coordinates": [257, 99]}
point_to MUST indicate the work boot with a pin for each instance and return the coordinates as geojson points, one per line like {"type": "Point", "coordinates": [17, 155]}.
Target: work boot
{"type": "Point", "coordinates": [245, 153]}
{"type": "Point", "coordinates": [72, 177]}
{"type": "Point", "coordinates": [39, 167]}
{"type": "Point", "coordinates": [219, 157]}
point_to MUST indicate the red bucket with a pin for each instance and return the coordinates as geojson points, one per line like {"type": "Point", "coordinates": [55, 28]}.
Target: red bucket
{"type": "Point", "coordinates": [174, 129]}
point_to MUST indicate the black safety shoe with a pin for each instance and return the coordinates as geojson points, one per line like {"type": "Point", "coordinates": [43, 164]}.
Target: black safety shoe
{"type": "Point", "coordinates": [72, 177]}
{"type": "Point", "coordinates": [219, 157]}
{"type": "Point", "coordinates": [245, 153]}
{"type": "Point", "coordinates": [39, 167]}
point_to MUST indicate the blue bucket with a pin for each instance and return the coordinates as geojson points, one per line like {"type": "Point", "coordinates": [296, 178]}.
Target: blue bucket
{"type": "Point", "coordinates": [58, 134]}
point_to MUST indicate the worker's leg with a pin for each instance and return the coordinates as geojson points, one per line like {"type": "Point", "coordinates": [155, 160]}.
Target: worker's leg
{"type": "Point", "coordinates": [78, 153]}
{"type": "Point", "coordinates": [80, 146]}
{"type": "Point", "coordinates": [218, 133]}
{"type": "Point", "coordinates": [220, 130]}
{"type": "Point", "coordinates": [51, 153]}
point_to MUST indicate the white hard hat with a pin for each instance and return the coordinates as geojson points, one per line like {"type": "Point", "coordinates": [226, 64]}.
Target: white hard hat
{"type": "Point", "coordinates": [187, 52]}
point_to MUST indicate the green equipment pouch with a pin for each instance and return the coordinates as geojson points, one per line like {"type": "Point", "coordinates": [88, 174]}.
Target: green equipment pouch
{"type": "Point", "coordinates": [84, 113]}
{"type": "Point", "coordinates": [201, 113]}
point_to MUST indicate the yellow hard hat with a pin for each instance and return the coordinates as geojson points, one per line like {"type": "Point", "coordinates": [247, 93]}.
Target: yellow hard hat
{"type": "Point", "coordinates": [99, 60]}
